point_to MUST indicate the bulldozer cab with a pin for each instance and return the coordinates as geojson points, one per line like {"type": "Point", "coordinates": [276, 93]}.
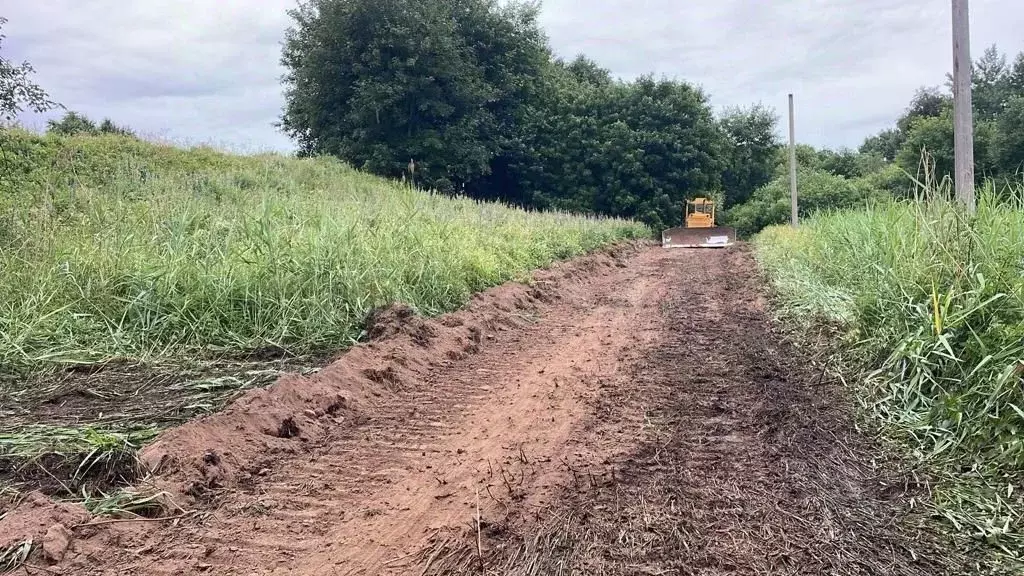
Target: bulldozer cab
{"type": "Point", "coordinates": [700, 213]}
{"type": "Point", "coordinates": [699, 230]}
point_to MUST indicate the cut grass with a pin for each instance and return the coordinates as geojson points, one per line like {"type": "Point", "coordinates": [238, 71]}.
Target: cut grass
{"type": "Point", "coordinates": [930, 302]}
{"type": "Point", "coordinates": [44, 445]}
{"type": "Point", "coordinates": [129, 504]}
{"type": "Point", "coordinates": [12, 557]}
{"type": "Point", "coordinates": [113, 249]}
{"type": "Point", "coordinates": [64, 461]}
{"type": "Point", "coordinates": [157, 394]}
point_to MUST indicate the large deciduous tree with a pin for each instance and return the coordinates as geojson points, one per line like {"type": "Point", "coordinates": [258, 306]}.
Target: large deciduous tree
{"type": "Point", "coordinates": [751, 149]}
{"type": "Point", "coordinates": [439, 83]}
{"type": "Point", "coordinates": [633, 149]}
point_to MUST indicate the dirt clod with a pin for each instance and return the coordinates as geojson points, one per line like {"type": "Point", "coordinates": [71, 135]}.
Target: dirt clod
{"type": "Point", "coordinates": [56, 542]}
{"type": "Point", "coordinates": [398, 319]}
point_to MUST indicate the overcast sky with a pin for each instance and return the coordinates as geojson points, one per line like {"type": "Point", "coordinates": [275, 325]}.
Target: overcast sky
{"type": "Point", "coordinates": [206, 71]}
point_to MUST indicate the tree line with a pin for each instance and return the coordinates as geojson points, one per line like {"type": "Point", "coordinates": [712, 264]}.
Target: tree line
{"type": "Point", "coordinates": [927, 124]}
{"type": "Point", "coordinates": [466, 96]}
{"type": "Point", "coordinates": [917, 152]}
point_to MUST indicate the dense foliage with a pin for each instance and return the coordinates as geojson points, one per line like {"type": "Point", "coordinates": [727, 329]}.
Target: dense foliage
{"type": "Point", "coordinates": [74, 123]}
{"type": "Point", "coordinates": [465, 96]}
{"type": "Point", "coordinates": [819, 189]}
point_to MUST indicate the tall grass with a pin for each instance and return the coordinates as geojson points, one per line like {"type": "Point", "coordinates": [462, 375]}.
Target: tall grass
{"type": "Point", "coordinates": [931, 301]}
{"type": "Point", "coordinates": [115, 248]}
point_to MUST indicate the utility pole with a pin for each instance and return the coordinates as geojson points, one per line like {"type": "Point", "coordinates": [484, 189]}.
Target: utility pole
{"type": "Point", "coordinates": [792, 163]}
{"type": "Point", "coordinates": [963, 124]}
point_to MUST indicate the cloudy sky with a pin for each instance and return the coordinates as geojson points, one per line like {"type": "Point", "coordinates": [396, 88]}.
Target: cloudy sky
{"type": "Point", "coordinates": [206, 71]}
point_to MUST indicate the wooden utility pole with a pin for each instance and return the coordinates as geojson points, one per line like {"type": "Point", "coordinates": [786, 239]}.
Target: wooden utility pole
{"type": "Point", "coordinates": [963, 124]}
{"type": "Point", "coordinates": [792, 163]}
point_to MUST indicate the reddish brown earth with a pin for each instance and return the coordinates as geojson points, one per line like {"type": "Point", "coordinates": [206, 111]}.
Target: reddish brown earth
{"type": "Point", "coordinates": [633, 412]}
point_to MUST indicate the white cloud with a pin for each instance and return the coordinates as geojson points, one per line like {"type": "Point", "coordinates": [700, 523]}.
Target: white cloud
{"type": "Point", "coordinates": [202, 71]}
{"type": "Point", "coordinates": [191, 71]}
{"type": "Point", "coordinates": [852, 64]}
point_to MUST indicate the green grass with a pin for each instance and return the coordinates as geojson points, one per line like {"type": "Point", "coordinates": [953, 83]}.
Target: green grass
{"type": "Point", "coordinates": [67, 460]}
{"type": "Point", "coordinates": [185, 273]}
{"type": "Point", "coordinates": [113, 248]}
{"type": "Point", "coordinates": [930, 307]}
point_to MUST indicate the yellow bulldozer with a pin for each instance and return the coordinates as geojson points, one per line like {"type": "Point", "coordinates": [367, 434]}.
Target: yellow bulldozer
{"type": "Point", "coordinates": [699, 230]}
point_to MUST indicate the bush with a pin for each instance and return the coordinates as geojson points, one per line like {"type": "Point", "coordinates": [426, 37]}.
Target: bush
{"type": "Point", "coordinates": [818, 190]}
{"type": "Point", "coordinates": [74, 123]}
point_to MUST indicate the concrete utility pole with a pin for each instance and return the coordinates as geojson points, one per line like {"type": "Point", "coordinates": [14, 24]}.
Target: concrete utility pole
{"type": "Point", "coordinates": [963, 124]}
{"type": "Point", "coordinates": [792, 163]}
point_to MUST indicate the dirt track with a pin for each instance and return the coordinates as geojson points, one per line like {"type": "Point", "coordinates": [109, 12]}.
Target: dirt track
{"type": "Point", "coordinates": [633, 413]}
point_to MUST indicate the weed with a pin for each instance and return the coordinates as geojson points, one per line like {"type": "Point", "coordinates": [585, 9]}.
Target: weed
{"type": "Point", "coordinates": [931, 301]}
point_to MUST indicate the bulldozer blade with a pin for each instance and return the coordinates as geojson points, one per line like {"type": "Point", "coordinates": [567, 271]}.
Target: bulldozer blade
{"type": "Point", "coordinates": [720, 237]}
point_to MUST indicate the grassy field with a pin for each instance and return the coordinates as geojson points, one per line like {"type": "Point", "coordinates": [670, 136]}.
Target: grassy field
{"type": "Point", "coordinates": [929, 305]}
{"type": "Point", "coordinates": [179, 272]}
{"type": "Point", "coordinates": [115, 248]}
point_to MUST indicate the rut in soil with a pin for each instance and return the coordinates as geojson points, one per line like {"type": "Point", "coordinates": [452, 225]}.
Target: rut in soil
{"type": "Point", "coordinates": [631, 413]}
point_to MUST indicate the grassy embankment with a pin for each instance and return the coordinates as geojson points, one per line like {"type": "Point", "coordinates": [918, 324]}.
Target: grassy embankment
{"type": "Point", "coordinates": [929, 305]}
{"type": "Point", "coordinates": [116, 252]}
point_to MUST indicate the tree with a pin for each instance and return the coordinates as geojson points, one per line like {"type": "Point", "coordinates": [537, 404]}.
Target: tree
{"type": "Point", "coordinates": [1015, 78]}
{"type": "Point", "coordinates": [990, 83]}
{"type": "Point", "coordinates": [438, 83]}
{"type": "Point", "coordinates": [107, 126]}
{"type": "Point", "coordinates": [1009, 145]}
{"type": "Point", "coordinates": [841, 162]}
{"type": "Point", "coordinates": [927, 103]}
{"type": "Point", "coordinates": [589, 72]}
{"type": "Point", "coordinates": [885, 144]}
{"type": "Point", "coordinates": [72, 124]}
{"type": "Point", "coordinates": [631, 149]}
{"type": "Point", "coordinates": [751, 148]}
{"type": "Point", "coordinates": [17, 90]}
{"type": "Point", "coordinates": [934, 137]}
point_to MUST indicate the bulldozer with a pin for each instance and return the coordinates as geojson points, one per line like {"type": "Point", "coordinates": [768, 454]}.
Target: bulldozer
{"type": "Point", "coordinates": [699, 230]}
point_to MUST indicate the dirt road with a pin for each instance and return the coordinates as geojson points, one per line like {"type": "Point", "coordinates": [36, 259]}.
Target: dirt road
{"type": "Point", "coordinates": [631, 413]}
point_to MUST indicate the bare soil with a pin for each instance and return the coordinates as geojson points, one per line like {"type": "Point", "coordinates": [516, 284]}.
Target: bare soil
{"type": "Point", "coordinates": [631, 412]}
